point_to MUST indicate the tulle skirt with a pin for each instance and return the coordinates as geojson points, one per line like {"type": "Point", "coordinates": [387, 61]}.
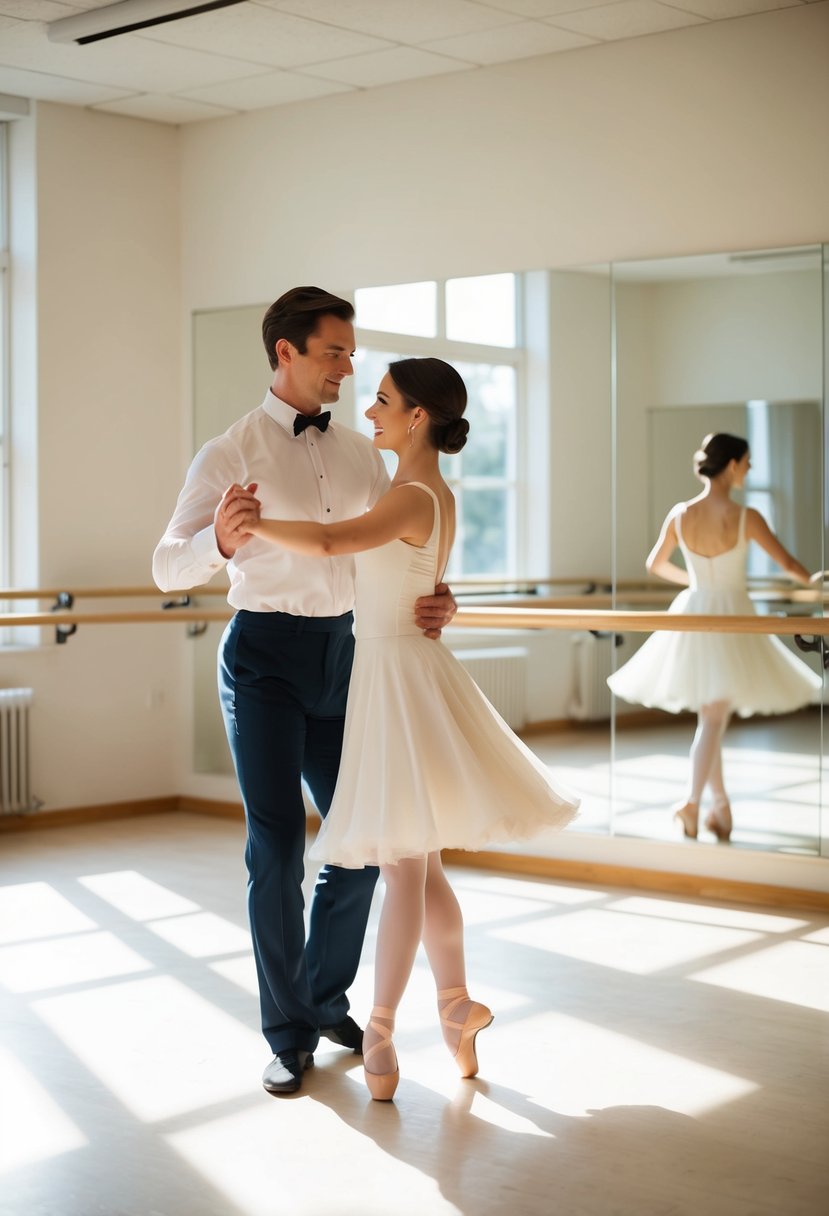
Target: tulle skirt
{"type": "Point", "coordinates": [428, 763]}
{"type": "Point", "coordinates": [684, 671]}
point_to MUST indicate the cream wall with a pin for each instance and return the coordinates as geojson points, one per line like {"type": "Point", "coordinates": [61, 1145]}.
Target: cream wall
{"type": "Point", "coordinates": [100, 341]}
{"type": "Point", "coordinates": [705, 138]}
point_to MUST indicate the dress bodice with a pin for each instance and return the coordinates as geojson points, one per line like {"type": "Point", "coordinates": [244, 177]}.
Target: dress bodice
{"type": "Point", "coordinates": [390, 579]}
{"type": "Point", "coordinates": [726, 571]}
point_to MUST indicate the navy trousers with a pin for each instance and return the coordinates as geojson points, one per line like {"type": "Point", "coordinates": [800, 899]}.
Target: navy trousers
{"type": "Point", "coordinates": [283, 683]}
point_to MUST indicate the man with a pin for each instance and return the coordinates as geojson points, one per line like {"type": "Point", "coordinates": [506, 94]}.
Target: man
{"type": "Point", "coordinates": [285, 660]}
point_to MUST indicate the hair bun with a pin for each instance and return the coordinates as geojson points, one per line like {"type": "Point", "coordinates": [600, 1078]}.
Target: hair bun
{"type": "Point", "coordinates": [452, 437]}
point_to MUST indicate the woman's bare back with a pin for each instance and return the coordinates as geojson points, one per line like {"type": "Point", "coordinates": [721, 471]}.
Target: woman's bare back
{"type": "Point", "coordinates": [710, 526]}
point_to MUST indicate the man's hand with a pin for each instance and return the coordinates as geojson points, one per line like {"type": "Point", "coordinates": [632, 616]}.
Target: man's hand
{"type": "Point", "coordinates": [238, 509]}
{"type": "Point", "coordinates": [434, 612]}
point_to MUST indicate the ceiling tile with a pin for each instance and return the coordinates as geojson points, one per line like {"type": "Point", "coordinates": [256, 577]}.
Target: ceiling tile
{"type": "Point", "coordinates": [262, 35]}
{"type": "Point", "coordinates": [272, 89]}
{"type": "Point", "coordinates": [387, 67]}
{"type": "Point", "coordinates": [625, 19]}
{"type": "Point", "coordinates": [718, 9]}
{"type": "Point", "coordinates": [519, 41]}
{"type": "Point", "coordinates": [400, 20]}
{"type": "Point", "coordinates": [133, 64]}
{"type": "Point", "coordinates": [39, 10]}
{"type": "Point", "coordinates": [544, 8]}
{"type": "Point", "coordinates": [158, 108]}
{"type": "Point", "coordinates": [41, 87]}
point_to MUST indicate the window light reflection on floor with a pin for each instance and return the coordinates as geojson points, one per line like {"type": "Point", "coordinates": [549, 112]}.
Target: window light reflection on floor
{"type": "Point", "coordinates": [32, 1125]}
{"type": "Point", "coordinates": [35, 909]}
{"type": "Point", "coordinates": [706, 914]}
{"type": "Point", "coordinates": [75, 959]}
{"type": "Point", "coordinates": [126, 1034]}
{"type": "Point", "coordinates": [201, 934]}
{"type": "Point", "coordinates": [623, 942]}
{"type": "Point", "coordinates": [137, 896]}
{"type": "Point", "coordinates": [794, 972]}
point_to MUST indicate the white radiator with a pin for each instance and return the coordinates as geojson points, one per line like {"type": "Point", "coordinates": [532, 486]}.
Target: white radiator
{"type": "Point", "coordinates": [592, 660]}
{"type": "Point", "coordinates": [15, 789]}
{"type": "Point", "coordinates": [501, 674]}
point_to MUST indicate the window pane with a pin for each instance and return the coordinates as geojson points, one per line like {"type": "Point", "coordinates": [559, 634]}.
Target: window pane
{"type": "Point", "coordinates": [402, 308]}
{"type": "Point", "coordinates": [490, 447]}
{"type": "Point", "coordinates": [481, 309]}
{"type": "Point", "coordinates": [370, 366]}
{"type": "Point", "coordinates": [484, 539]}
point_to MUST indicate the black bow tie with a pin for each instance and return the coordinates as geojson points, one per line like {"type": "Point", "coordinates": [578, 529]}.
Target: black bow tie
{"type": "Point", "coordinates": [301, 421]}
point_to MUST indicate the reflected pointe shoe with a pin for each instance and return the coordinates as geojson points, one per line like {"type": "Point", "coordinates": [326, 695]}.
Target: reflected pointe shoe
{"type": "Point", "coordinates": [719, 820]}
{"type": "Point", "coordinates": [476, 1019]}
{"type": "Point", "coordinates": [381, 1085]}
{"type": "Point", "coordinates": [687, 816]}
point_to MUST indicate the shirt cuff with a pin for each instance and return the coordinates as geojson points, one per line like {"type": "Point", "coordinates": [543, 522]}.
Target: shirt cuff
{"type": "Point", "coordinates": [205, 550]}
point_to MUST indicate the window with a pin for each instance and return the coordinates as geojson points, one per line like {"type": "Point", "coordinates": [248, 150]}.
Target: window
{"type": "Point", "coordinates": [472, 323]}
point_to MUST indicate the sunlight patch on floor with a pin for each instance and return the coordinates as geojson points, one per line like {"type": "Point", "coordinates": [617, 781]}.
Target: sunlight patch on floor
{"type": "Point", "coordinates": [244, 1157]}
{"type": "Point", "coordinates": [127, 1034]}
{"type": "Point", "coordinates": [239, 971]}
{"type": "Point", "coordinates": [76, 959]}
{"type": "Point", "coordinates": [633, 944]}
{"type": "Point", "coordinates": [199, 934]}
{"type": "Point", "coordinates": [569, 1066]}
{"type": "Point", "coordinates": [706, 914]}
{"type": "Point", "coordinates": [795, 972]}
{"type": "Point", "coordinates": [32, 1125]}
{"type": "Point", "coordinates": [35, 909]}
{"type": "Point", "coordinates": [137, 896]}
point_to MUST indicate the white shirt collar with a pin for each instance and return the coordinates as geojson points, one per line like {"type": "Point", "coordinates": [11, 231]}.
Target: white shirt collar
{"type": "Point", "coordinates": [280, 411]}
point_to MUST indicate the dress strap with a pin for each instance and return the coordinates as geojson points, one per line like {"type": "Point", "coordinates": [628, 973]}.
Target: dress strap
{"type": "Point", "coordinates": [741, 534]}
{"type": "Point", "coordinates": [422, 486]}
{"type": "Point", "coordinates": [678, 523]}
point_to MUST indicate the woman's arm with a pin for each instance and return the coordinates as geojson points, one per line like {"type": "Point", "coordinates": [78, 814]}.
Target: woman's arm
{"type": "Point", "coordinates": [658, 560]}
{"type": "Point", "coordinates": [405, 513]}
{"type": "Point", "coordinates": [758, 530]}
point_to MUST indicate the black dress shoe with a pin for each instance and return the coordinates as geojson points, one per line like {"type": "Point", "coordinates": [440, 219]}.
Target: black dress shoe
{"type": "Point", "coordinates": [346, 1034]}
{"type": "Point", "coordinates": [284, 1073]}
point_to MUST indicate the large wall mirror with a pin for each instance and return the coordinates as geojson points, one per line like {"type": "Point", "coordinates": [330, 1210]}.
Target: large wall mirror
{"type": "Point", "coordinates": [724, 343]}
{"type": "Point", "coordinates": [621, 371]}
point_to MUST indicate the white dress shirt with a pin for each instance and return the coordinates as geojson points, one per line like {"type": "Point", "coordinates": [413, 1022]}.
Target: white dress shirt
{"type": "Point", "coordinates": [325, 477]}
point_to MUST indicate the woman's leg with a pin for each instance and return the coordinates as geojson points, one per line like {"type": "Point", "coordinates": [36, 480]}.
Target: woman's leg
{"type": "Point", "coordinates": [460, 1017]}
{"type": "Point", "coordinates": [398, 936]}
{"type": "Point", "coordinates": [705, 757]}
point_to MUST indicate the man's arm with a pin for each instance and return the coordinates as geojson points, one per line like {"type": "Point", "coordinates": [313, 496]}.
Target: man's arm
{"type": "Point", "coordinates": [203, 533]}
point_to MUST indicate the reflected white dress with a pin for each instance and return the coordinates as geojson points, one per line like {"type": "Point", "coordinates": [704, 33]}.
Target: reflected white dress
{"type": "Point", "coordinates": [427, 762]}
{"type": "Point", "coordinates": [676, 671]}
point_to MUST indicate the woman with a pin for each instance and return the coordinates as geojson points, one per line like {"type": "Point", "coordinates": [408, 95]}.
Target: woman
{"type": "Point", "coordinates": [715, 674]}
{"type": "Point", "coordinates": [427, 762]}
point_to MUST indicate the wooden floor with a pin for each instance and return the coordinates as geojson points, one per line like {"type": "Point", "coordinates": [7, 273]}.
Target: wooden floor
{"type": "Point", "coordinates": [649, 1056]}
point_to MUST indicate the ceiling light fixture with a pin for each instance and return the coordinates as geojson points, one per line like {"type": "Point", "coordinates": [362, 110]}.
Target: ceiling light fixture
{"type": "Point", "coordinates": [126, 17]}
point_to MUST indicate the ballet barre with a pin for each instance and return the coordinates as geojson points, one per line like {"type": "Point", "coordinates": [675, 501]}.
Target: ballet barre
{"type": "Point", "coordinates": [479, 616]}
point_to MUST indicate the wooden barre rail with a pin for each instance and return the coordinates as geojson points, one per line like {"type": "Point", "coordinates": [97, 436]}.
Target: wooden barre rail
{"type": "Point", "coordinates": [478, 617]}
{"type": "Point", "coordinates": [645, 586]}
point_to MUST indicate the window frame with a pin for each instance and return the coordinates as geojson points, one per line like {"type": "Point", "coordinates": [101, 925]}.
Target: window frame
{"type": "Point", "coordinates": [453, 351]}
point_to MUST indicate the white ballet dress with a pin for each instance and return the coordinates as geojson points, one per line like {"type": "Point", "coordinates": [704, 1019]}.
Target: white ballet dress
{"type": "Point", "coordinates": [684, 671]}
{"type": "Point", "coordinates": [427, 763]}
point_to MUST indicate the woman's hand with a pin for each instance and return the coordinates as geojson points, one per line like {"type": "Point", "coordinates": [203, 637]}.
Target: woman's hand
{"type": "Point", "coordinates": [238, 509]}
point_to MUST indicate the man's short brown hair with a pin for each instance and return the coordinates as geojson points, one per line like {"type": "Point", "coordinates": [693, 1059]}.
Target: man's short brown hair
{"type": "Point", "coordinates": [295, 316]}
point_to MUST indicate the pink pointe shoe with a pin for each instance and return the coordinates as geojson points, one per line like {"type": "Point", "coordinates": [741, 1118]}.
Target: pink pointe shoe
{"type": "Point", "coordinates": [687, 816]}
{"type": "Point", "coordinates": [381, 1085]}
{"type": "Point", "coordinates": [476, 1019]}
{"type": "Point", "coordinates": [719, 820]}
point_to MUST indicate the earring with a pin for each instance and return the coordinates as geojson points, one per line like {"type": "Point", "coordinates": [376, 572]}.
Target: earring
{"type": "Point", "coordinates": [410, 433]}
